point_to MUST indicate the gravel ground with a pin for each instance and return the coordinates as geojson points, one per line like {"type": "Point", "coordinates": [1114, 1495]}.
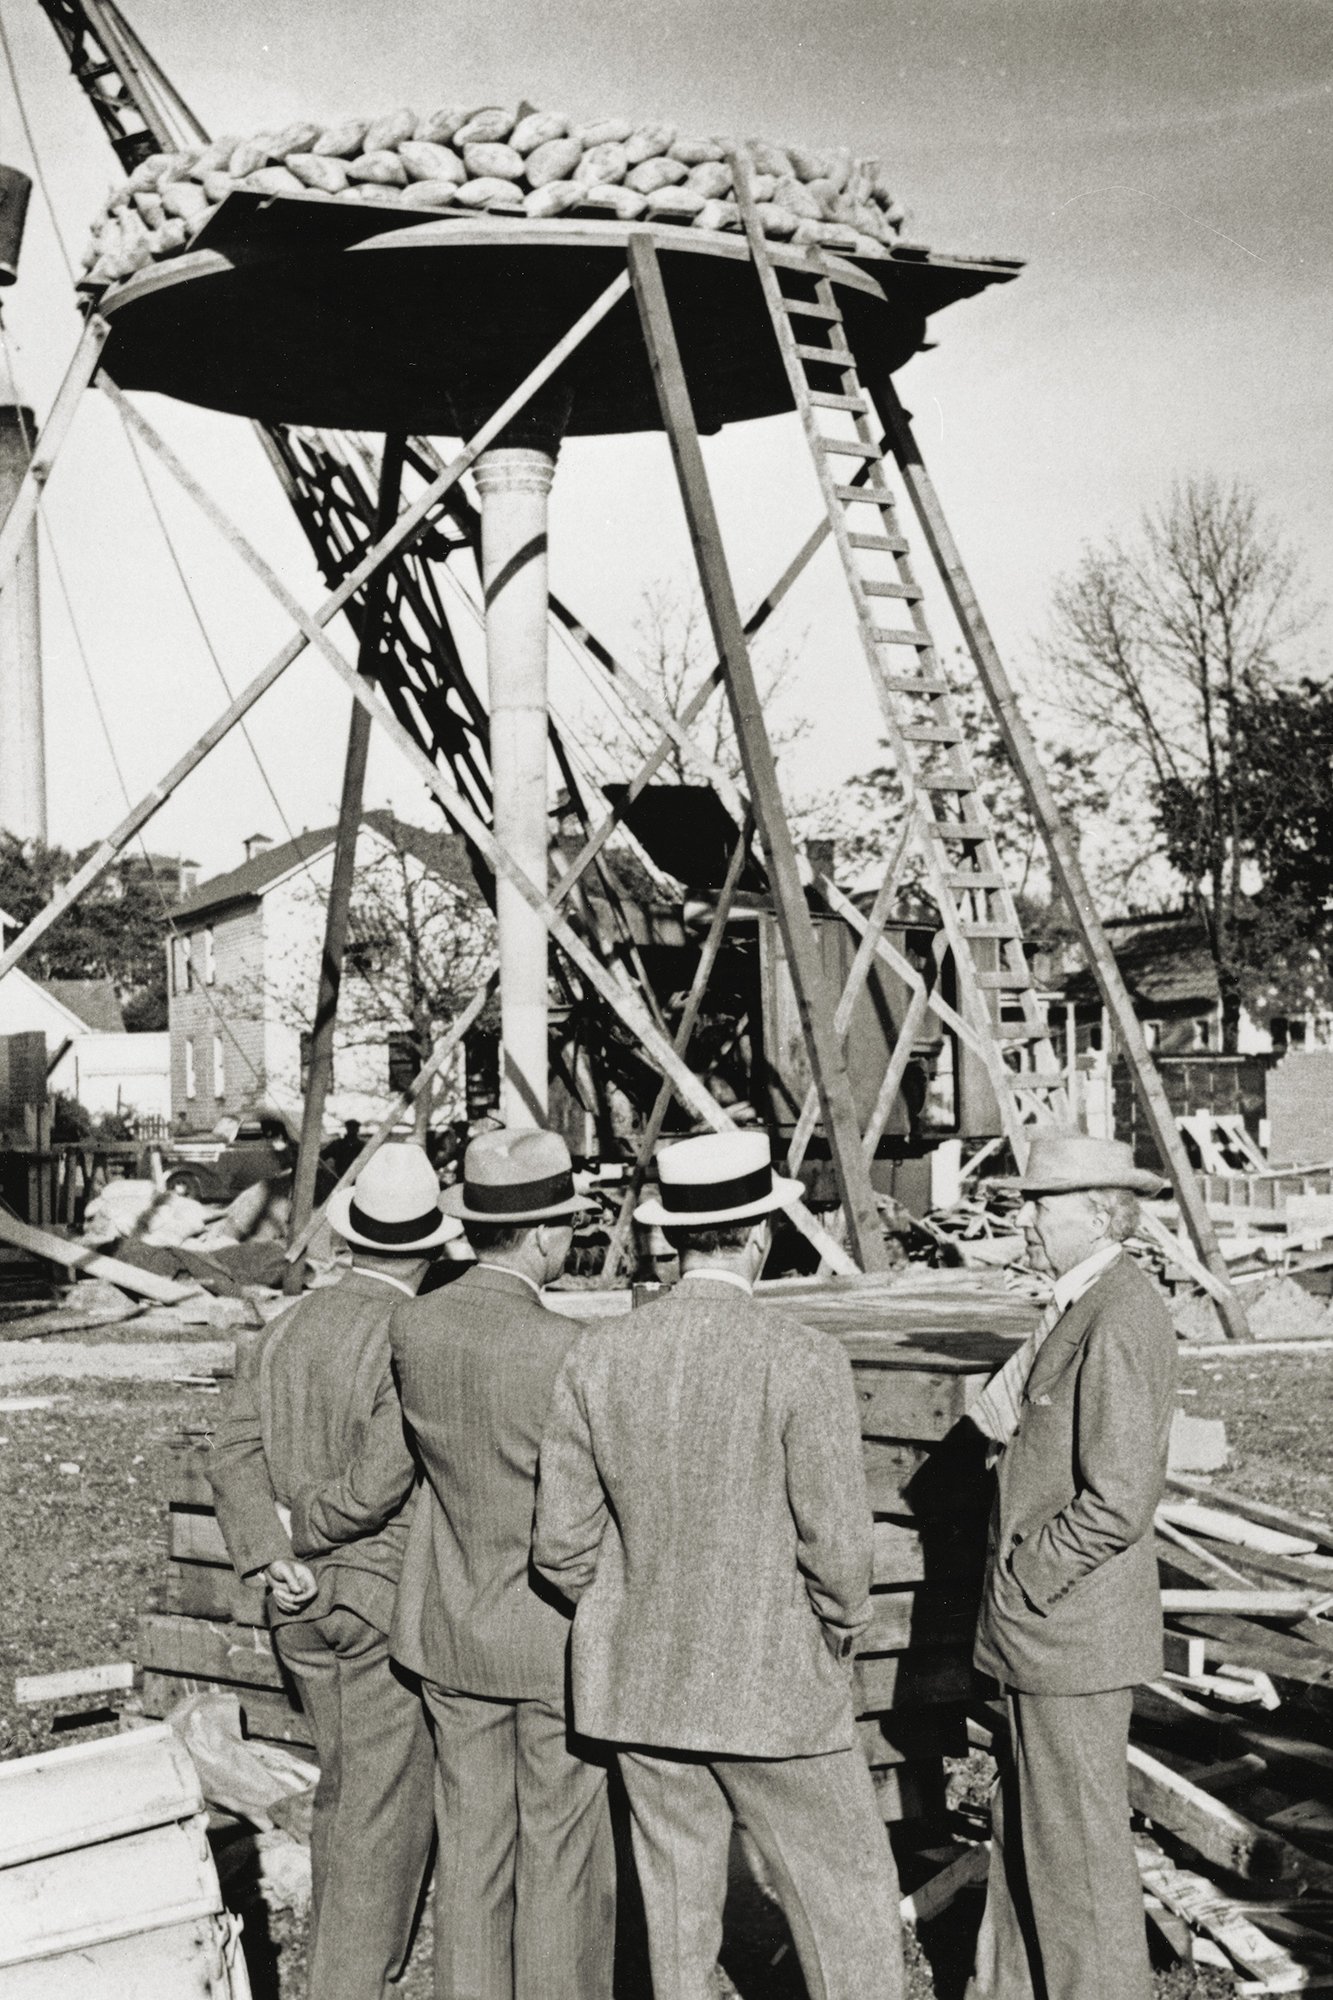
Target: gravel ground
{"type": "Point", "coordinates": [83, 1487]}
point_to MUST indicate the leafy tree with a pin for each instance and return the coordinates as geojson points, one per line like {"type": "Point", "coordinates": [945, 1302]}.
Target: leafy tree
{"type": "Point", "coordinates": [115, 931]}
{"type": "Point", "coordinates": [1164, 649]}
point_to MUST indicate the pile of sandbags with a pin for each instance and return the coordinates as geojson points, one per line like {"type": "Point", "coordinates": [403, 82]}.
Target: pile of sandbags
{"type": "Point", "coordinates": [518, 162]}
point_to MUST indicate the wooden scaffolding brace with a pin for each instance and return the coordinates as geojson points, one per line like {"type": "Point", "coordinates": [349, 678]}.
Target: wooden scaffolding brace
{"type": "Point", "coordinates": [945, 819]}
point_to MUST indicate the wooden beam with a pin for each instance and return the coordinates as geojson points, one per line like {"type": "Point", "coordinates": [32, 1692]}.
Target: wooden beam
{"type": "Point", "coordinates": [116, 1676]}
{"type": "Point", "coordinates": [1212, 1829]}
{"type": "Point", "coordinates": [1065, 863]}
{"type": "Point", "coordinates": [1205, 1908]}
{"type": "Point", "coordinates": [85, 1262]}
{"type": "Point", "coordinates": [338, 910]}
{"type": "Point", "coordinates": [1262, 1512]}
{"type": "Point", "coordinates": [685, 1029]}
{"type": "Point", "coordinates": [812, 1001]}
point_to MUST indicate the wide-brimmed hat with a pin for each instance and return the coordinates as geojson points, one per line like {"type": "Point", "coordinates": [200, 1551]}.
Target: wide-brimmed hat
{"type": "Point", "coordinates": [515, 1177]}
{"type": "Point", "coordinates": [1071, 1162]}
{"type": "Point", "coordinates": [393, 1207]}
{"type": "Point", "coordinates": [721, 1177]}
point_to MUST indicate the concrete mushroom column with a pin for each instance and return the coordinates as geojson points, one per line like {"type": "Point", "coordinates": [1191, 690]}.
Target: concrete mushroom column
{"type": "Point", "coordinates": [514, 483]}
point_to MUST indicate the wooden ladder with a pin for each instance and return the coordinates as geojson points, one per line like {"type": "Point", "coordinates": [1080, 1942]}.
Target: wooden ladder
{"type": "Point", "coordinates": [953, 829]}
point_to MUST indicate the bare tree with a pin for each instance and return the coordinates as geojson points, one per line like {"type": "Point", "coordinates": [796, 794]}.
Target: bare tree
{"type": "Point", "coordinates": [1158, 646]}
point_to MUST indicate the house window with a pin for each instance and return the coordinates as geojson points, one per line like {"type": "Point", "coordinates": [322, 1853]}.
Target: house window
{"type": "Point", "coordinates": [191, 1083]}
{"type": "Point", "coordinates": [180, 964]}
{"type": "Point", "coordinates": [219, 1068]}
{"type": "Point", "coordinates": [210, 966]}
{"type": "Point", "coordinates": [404, 1059]}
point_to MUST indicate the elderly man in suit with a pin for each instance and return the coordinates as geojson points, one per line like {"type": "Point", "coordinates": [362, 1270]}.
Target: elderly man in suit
{"type": "Point", "coordinates": [312, 1479]}
{"type": "Point", "coordinates": [526, 1875]}
{"type": "Point", "coordinates": [1071, 1615]}
{"type": "Point", "coordinates": [703, 1502]}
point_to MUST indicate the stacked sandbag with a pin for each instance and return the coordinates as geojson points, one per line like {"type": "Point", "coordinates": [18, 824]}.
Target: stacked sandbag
{"type": "Point", "coordinates": [517, 162]}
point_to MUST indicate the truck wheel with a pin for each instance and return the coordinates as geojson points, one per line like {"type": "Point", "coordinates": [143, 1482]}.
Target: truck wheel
{"type": "Point", "coordinates": [186, 1184]}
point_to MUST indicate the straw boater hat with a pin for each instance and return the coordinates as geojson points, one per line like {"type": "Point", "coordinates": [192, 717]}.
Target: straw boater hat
{"type": "Point", "coordinates": [722, 1177]}
{"type": "Point", "coordinates": [393, 1207]}
{"type": "Point", "coordinates": [515, 1178]}
{"type": "Point", "coordinates": [1071, 1162]}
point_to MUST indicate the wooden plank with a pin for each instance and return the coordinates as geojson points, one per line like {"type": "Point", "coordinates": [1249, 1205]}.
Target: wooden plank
{"type": "Point", "coordinates": [216, 1652]}
{"type": "Point", "coordinates": [930, 1616]}
{"type": "Point", "coordinates": [31, 1688]}
{"type": "Point", "coordinates": [1246, 1603]}
{"type": "Point", "coordinates": [827, 1059]}
{"type": "Point", "coordinates": [901, 1739]}
{"type": "Point", "coordinates": [937, 1895]}
{"type": "Point", "coordinates": [1183, 1655]}
{"type": "Point", "coordinates": [928, 1551]}
{"type": "Point", "coordinates": [1212, 1829]}
{"type": "Point", "coordinates": [265, 1713]}
{"type": "Point", "coordinates": [202, 1590]}
{"type": "Point", "coordinates": [1267, 1516]}
{"type": "Point", "coordinates": [912, 1680]}
{"type": "Point", "coordinates": [143, 1881]}
{"type": "Point", "coordinates": [910, 1791]}
{"type": "Point", "coordinates": [899, 1402]}
{"type": "Point", "coordinates": [196, 1537]}
{"type": "Point", "coordinates": [1205, 1908]}
{"type": "Point", "coordinates": [86, 1262]}
{"type": "Point", "coordinates": [1237, 1641]}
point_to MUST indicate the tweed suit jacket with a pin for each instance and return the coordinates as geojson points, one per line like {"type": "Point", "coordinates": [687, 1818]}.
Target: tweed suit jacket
{"type": "Point", "coordinates": [476, 1363]}
{"type": "Point", "coordinates": [1071, 1602]}
{"type": "Point", "coordinates": [703, 1499]}
{"type": "Point", "coordinates": [313, 1422]}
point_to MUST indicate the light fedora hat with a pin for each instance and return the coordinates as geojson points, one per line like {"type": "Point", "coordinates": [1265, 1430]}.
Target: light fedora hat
{"type": "Point", "coordinates": [721, 1177]}
{"type": "Point", "coordinates": [1070, 1162]}
{"type": "Point", "coordinates": [393, 1207]}
{"type": "Point", "coordinates": [515, 1176]}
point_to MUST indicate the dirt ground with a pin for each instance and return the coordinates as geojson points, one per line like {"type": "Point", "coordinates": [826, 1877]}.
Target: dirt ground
{"type": "Point", "coordinates": [83, 1485]}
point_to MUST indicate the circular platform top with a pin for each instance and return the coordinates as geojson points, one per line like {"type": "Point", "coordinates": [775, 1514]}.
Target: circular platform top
{"type": "Point", "coordinates": [294, 310]}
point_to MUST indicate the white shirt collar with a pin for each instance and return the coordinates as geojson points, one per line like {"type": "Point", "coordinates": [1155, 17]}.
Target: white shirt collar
{"type": "Point", "coordinates": [506, 1271]}
{"type": "Point", "coordinates": [1083, 1276]}
{"type": "Point", "coordinates": [399, 1284]}
{"type": "Point", "coordinates": [720, 1277]}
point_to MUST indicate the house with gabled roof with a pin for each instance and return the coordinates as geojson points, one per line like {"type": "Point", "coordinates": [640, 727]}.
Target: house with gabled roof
{"type": "Point", "coordinates": [243, 966]}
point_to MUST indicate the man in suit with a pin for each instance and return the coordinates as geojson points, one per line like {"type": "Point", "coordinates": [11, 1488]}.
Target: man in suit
{"type": "Point", "coordinates": [702, 1500]}
{"type": "Point", "coordinates": [1071, 1616]}
{"type": "Point", "coordinates": [526, 1870]}
{"type": "Point", "coordinates": [312, 1479]}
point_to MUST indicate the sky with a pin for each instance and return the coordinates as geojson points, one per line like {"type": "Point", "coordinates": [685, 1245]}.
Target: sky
{"type": "Point", "coordinates": [1164, 167]}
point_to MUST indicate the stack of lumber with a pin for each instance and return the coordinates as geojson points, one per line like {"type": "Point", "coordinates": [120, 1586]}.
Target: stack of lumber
{"type": "Point", "coordinates": [920, 1348]}
{"type": "Point", "coordinates": [515, 161]}
{"type": "Point", "coordinates": [1232, 1754]}
{"type": "Point", "coordinates": [107, 1883]}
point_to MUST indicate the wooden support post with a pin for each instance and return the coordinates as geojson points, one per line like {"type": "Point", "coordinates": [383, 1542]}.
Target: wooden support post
{"type": "Point", "coordinates": [338, 911]}
{"type": "Point", "coordinates": [812, 999]}
{"type": "Point", "coordinates": [1065, 864]}
{"type": "Point", "coordinates": [698, 988]}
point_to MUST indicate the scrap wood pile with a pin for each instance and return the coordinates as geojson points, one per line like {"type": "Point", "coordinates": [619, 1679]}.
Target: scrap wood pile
{"type": "Point", "coordinates": [518, 162]}
{"type": "Point", "coordinates": [1231, 1757]}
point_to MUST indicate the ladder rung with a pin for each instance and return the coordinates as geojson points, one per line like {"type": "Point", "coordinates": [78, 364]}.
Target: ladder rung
{"type": "Point", "coordinates": [808, 309]}
{"type": "Point", "coordinates": [884, 636]}
{"type": "Point", "coordinates": [914, 684]}
{"type": "Point", "coordinates": [945, 781]}
{"type": "Point", "coordinates": [867, 495]}
{"type": "Point", "coordinates": [1004, 982]}
{"type": "Point", "coordinates": [832, 399]}
{"type": "Point", "coordinates": [839, 357]}
{"type": "Point", "coordinates": [1004, 931]}
{"type": "Point", "coordinates": [891, 545]}
{"type": "Point", "coordinates": [975, 879]}
{"type": "Point", "coordinates": [930, 732]}
{"type": "Point", "coordinates": [849, 447]}
{"type": "Point", "coordinates": [908, 592]}
{"type": "Point", "coordinates": [958, 829]}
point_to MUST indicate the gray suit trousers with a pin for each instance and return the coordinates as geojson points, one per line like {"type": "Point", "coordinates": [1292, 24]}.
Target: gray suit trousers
{"type": "Point", "coordinates": [816, 1825]}
{"type": "Point", "coordinates": [1064, 1904]}
{"type": "Point", "coordinates": [525, 1895]}
{"type": "Point", "coordinates": [371, 1837]}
